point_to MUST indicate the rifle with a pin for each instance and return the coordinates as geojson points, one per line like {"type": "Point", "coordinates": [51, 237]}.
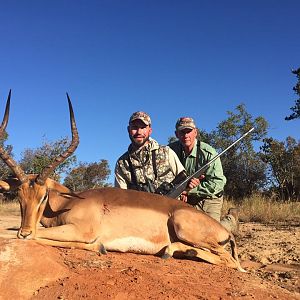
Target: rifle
{"type": "Point", "coordinates": [177, 189]}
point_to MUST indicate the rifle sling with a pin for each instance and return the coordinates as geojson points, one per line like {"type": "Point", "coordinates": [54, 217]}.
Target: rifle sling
{"type": "Point", "coordinates": [133, 173]}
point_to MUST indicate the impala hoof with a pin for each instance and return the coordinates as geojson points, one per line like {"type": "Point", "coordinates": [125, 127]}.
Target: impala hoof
{"type": "Point", "coordinates": [102, 249]}
{"type": "Point", "coordinates": [166, 256]}
{"type": "Point", "coordinates": [190, 253]}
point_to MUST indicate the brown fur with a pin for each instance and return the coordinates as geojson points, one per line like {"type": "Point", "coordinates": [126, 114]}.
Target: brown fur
{"type": "Point", "coordinates": [122, 220]}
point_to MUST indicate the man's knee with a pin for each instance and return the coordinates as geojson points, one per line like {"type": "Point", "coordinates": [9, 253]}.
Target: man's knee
{"type": "Point", "coordinates": [213, 208]}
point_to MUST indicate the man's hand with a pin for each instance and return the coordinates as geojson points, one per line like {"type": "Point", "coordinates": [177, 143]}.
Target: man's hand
{"type": "Point", "coordinates": [183, 196]}
{"type": "Point", "coordinates": [194, 182]}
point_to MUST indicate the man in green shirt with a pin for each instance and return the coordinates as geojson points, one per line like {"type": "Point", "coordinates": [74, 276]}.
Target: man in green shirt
{"type": "Point", "coordinates": [193, 153]}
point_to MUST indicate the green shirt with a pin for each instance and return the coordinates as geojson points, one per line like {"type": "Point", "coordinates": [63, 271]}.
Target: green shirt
{"type": "Point", "coordinates": [214, 180]}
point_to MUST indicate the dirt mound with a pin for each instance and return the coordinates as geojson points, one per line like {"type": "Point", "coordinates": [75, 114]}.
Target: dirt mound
{"type": "Point", "coordinates": [26, 266]}
{"type": "Point", "coordinates": [29, 270]}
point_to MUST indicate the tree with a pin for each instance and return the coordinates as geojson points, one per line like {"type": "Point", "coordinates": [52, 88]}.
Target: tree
{"type": "Point", "coordinates": [33, 161]}
{"type": "Point", "coordinates": [172, 139]}
{"type": "Point", "coordinates": [296, 108]}
{"type": "Point", "coordinates": [4, 169]}
{"type": "Point", "coordinates": [243, 167]}
{"type": "Point", "coordinates": [88, 176]}
{"type": "Point", "coordinates": [283, 159]}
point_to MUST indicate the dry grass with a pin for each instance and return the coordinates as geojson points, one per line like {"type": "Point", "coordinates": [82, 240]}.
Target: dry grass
{"type": "Point", "coordinates": [11, 207]}
{"type": "Point", "coordinates": [260, 209]}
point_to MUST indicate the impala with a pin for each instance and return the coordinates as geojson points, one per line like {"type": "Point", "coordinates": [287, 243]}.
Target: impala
{"type": "Point", "coordinates": [110, 218]}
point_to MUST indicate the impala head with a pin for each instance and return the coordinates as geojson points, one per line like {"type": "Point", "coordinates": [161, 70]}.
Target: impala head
{"type": "Point", "coordinates": [33, 190]}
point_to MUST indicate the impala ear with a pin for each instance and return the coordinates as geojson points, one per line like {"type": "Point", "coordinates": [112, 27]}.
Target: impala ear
{"type": "Point", "coordinates": [63, 190]}
{"type": "Point", "coordinates": [4, 186]}
{"type": "Point", "coordinates": [9, 184]}
{"type": "Point", "coordinates": [54, 185]}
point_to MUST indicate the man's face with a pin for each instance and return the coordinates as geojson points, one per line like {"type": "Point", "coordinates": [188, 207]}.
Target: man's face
{"type": "Point", "coordinates": [187, 136]}
{"type": "Point", "coordinates": [139, 132]}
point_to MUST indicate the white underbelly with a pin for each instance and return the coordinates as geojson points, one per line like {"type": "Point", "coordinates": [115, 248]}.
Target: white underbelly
{"type": "Point", "coordinates": [133, 244]}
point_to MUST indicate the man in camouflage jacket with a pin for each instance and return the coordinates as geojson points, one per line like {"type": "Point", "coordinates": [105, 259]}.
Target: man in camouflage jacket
{"type": "Point", "coordinates": [146, 164]}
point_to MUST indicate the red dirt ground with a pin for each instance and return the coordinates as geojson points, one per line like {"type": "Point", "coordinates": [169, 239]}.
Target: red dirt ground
{"type": "Point", "coordinates": [32, 271]}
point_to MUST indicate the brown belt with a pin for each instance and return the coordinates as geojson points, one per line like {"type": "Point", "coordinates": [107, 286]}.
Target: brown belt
{"type": "Point", "coordinates": [193, 200]}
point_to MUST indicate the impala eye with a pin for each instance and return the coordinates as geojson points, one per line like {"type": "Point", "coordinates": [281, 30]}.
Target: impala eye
{"type": "Point", "coordinates": [31, 183]}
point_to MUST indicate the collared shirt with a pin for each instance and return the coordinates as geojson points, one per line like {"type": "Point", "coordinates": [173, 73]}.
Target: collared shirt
{"type": "Point", "coordinates": [168, 165]}
{"type": "Point", "coordinates": [214, 180]}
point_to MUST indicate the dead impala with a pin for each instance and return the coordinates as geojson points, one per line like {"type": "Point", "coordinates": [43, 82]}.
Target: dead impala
{"type": "Point", "coordinates": [110, 218]}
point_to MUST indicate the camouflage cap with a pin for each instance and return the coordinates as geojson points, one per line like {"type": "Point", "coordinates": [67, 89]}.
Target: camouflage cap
{"type": "Point", "coordinates": [185, 122]}
{"type": "Point", "coordinates": [140, 115]}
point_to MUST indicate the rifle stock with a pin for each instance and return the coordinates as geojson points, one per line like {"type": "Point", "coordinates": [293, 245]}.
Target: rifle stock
{"type": "Point", "coordinates": [179, 188]}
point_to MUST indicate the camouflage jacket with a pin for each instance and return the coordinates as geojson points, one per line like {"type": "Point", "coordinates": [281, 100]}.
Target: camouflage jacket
{"type": "Point", "coordinates": [167, 165]}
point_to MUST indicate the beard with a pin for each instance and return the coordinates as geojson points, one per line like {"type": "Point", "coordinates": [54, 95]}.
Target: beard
{"type": "Point", "coordinates": [139, 141]}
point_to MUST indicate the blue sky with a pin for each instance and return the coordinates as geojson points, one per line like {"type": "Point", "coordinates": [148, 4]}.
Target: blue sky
{"type": "Point", "coordinates": [168, 58]}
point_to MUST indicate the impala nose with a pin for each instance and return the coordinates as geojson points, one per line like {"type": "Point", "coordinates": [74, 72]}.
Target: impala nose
{"type": "Point", "coordinates": [24, 234]}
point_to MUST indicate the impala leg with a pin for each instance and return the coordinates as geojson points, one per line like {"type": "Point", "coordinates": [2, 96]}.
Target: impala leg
{"type": "Point", "coordinates": [95, 246]}
{"type": "Point", "coordinates": [205, 234]}
{"type": "Point", "coordinates": [68, 236]}
{"type": "Point", "coordinates": [64, 233]}
{"type": "Point", "coordinates": [190, 251]}
{"type": "Point", "coordinates": [228, 259]}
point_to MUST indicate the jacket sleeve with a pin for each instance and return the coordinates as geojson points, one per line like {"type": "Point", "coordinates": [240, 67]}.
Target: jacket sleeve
{"type": "Point", "coordinates": [175, 164]}
{"type": "Point", "coordinates": [120, 181]}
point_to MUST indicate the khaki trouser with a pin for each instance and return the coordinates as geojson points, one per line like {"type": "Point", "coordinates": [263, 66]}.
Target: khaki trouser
{"type": "Point", "coordinates": [213, 208]}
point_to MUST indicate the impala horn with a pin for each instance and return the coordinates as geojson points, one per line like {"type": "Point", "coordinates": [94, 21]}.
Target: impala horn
{"type": "Point", "coordinates": [20, 174]}
{"type": "Point", "coordinates": [41, 178]}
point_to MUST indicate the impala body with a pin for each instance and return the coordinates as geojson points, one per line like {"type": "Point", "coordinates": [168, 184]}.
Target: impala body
{"type": "Point", "coordinates": [122, 220]}
{"type": "Point", "coordinates": [112, 219]}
